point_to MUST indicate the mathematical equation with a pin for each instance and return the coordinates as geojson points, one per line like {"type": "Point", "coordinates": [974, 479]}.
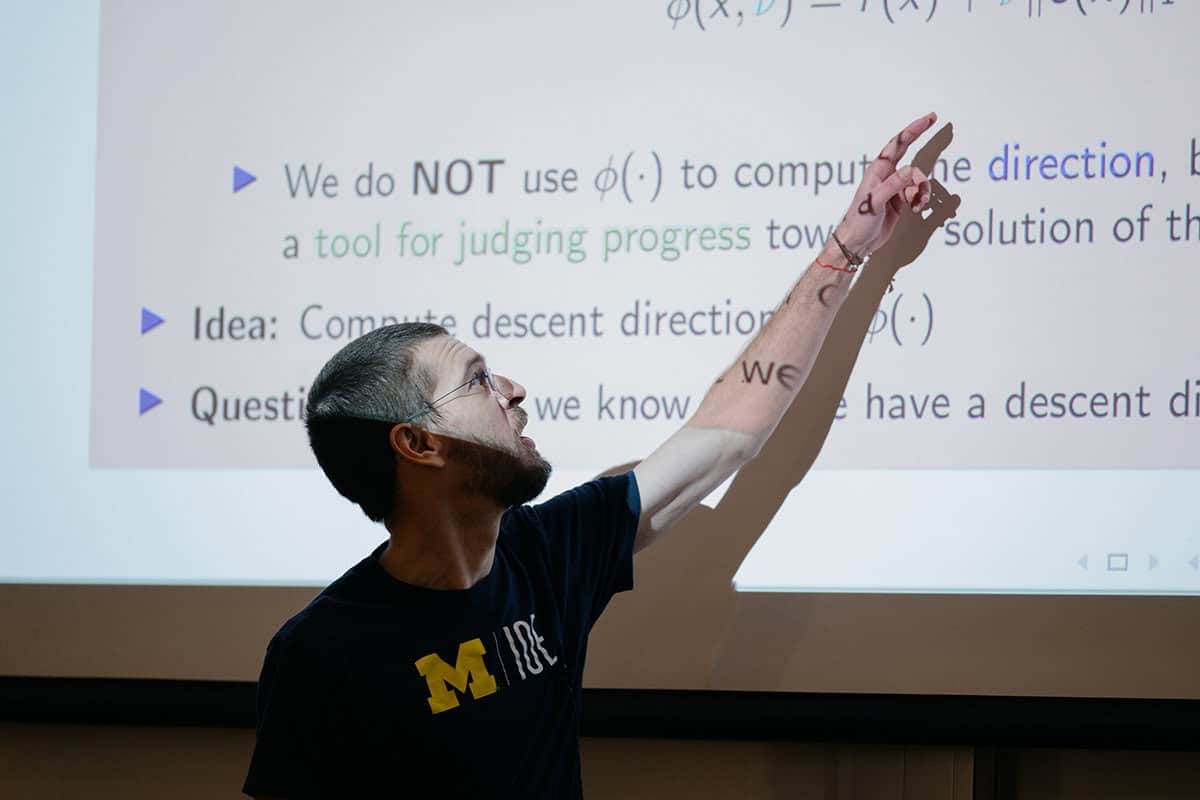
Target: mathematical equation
{"type": "Point", "coordinates": [714, 14]}
{"type": "Point", "coordinates": [912, 324]}
{"type": "Point", "coordinates": [610, 178]}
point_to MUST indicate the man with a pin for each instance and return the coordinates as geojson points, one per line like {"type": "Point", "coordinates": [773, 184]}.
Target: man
{"type": "Point", "coordinates": [451, 657]}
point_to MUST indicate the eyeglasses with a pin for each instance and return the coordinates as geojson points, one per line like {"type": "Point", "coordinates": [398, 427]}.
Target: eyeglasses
{"type": "Point", "coordinates": [482, 377]}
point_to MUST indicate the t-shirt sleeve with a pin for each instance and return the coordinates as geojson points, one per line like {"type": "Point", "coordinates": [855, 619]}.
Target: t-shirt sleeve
{"type": "Point", "coordinates": [287, 747]}
{"type": "Point", "coordinates": [589, 533]}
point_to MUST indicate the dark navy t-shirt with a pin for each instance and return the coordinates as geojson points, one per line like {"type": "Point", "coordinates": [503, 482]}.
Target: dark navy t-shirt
{"type": "Point", "coordinates": [379, 687]}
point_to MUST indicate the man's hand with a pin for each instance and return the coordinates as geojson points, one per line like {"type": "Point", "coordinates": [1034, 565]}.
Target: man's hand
{"type": "Point", "coordinates": [884, 190]}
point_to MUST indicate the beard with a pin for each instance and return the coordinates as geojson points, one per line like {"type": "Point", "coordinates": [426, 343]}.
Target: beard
{"type": "Point", "coordinates": [493, 472]}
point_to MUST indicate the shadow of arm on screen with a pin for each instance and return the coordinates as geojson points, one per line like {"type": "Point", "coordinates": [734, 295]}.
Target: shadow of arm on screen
{"type": "Point", "coordinates": [685, 600]}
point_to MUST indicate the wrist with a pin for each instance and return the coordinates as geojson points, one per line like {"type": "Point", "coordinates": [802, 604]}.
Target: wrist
{"type": "Point", "coordinates": [834, 276]}
{"type": "Point", "coordinates": [832, 254]}
{"type": "Point", "coordinates": [835, 265]}
{"type": "Point", "coordinates": [852, 242]}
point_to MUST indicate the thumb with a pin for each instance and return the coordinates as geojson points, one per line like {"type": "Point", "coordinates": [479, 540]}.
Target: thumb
{"type": "Point", "coordinates": [898, 181]}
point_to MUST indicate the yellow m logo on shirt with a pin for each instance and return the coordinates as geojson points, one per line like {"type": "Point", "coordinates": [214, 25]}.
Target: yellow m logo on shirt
{"type": "Point", "coordinates": [468, 669]}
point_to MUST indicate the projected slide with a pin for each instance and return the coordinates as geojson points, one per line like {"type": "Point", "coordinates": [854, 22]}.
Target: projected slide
{"type": "Point", "coordinates": [608, 200]}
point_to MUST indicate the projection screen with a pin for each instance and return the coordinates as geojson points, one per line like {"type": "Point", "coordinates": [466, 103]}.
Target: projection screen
{"type": "Point", "coordinates": [987, 485]}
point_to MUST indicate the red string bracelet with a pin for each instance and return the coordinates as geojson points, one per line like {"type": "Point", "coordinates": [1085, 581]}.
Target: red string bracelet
{"type": "Point", "coordinates": [848, 270]}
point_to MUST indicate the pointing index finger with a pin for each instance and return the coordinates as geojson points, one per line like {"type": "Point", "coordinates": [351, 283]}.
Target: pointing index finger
{"type": "Point", "coordinates": [897, 146]}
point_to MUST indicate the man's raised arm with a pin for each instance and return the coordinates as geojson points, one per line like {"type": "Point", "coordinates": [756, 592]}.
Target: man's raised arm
{"type": "Point", "coordinates": [747, 401]}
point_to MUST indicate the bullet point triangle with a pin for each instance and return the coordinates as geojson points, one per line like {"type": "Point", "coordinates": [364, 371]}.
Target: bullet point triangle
{"type": "Point", "coordinates": [150, 320]}
{"type": "Point", "coordinates": [147, 401]}
{"type": "Point", "coordinates": [242, 178]}
{"type": "Point", "coordinates": [1082, 562]}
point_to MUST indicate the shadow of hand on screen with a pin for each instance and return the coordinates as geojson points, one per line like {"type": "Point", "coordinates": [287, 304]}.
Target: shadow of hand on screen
{"type": "Point", "coordinates": [685, 617]}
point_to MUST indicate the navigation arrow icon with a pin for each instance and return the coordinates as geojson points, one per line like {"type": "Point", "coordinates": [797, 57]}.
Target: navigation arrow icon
{"type": "Point", "coordinates": [241, 178]}
{"type": "Point", "coordinates": [1083, 561]}
{"type": "Point", "coordinates": [1153, 562]}
{"type": "Point", "coordinates": [147, 401]}
{"type": "Point", "coordinates": [1195, 562]}
{"type": "Point", "coordinates": [150, 320]}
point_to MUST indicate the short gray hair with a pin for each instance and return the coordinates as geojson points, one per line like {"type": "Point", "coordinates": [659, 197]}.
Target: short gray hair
{"type": "Point", "coordinates": [369, 385]}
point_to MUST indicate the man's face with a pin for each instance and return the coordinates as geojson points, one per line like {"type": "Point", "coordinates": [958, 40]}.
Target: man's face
{"type": "Point", "coordinates": [484, 426]}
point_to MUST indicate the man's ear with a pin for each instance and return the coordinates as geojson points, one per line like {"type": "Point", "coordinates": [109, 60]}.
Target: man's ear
{"type": "Point", "coordinates": [417, 446]}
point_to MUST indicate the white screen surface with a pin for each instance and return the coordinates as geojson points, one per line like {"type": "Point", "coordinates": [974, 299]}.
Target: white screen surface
{"type": "Point", "coordinates": [126, 203]}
